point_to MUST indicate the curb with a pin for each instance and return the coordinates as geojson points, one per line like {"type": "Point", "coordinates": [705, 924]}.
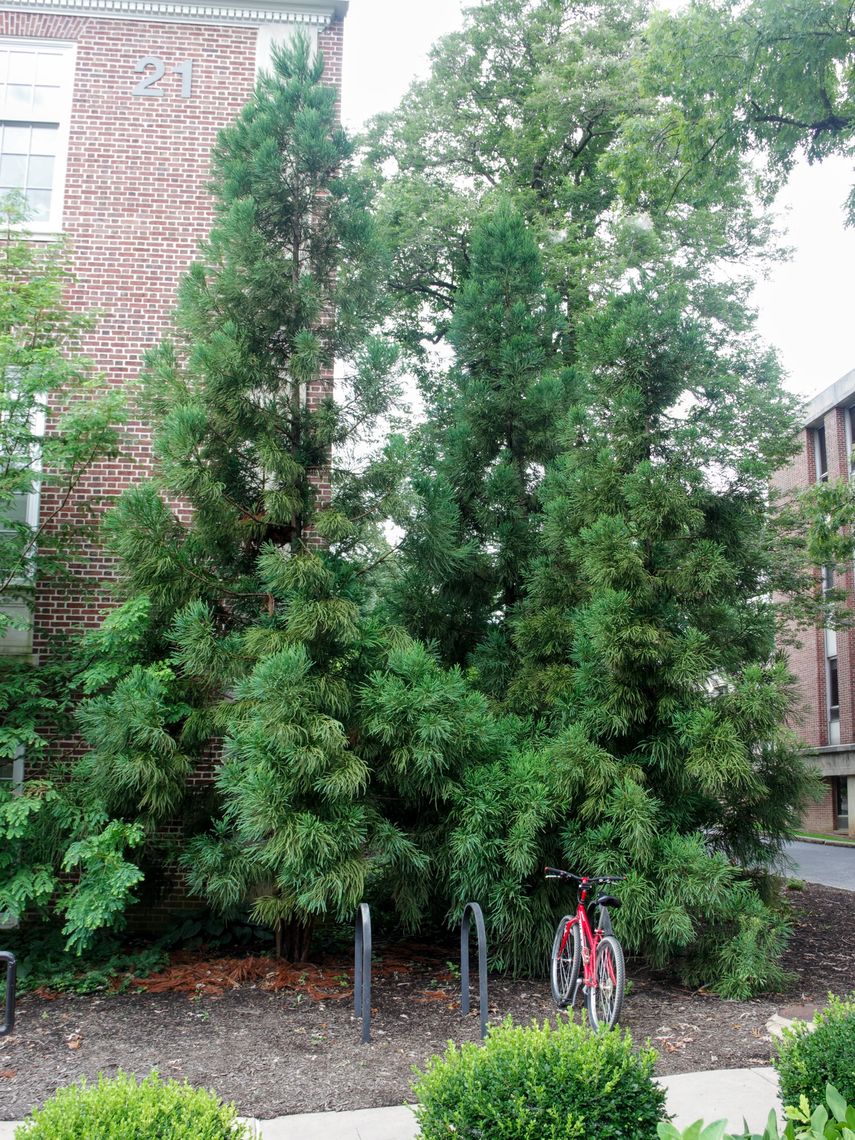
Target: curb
{"type": "Point", "coordinates": [823, 842]}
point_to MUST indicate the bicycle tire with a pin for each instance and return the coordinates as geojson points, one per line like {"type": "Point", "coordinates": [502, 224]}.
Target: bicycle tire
{"type": "Point", "coordinates": [606, 1001]}
{"type": "Point", "coordinates": [605, 922]}
{"type": "Point", "coordinates": [564, 970]}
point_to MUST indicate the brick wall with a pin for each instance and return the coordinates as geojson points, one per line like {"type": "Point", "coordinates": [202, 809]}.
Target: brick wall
{"type": "Point", "coordinates": [806, 659]}
{"type": "Point", "coordinates": [821, 816]}
{"type": "Point", "coordinates": [136, 207]}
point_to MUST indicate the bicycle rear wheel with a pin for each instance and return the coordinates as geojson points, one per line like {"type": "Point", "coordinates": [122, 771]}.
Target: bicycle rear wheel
{"type": "Point", "coordinates": [606, 1000]}
{"type": "Point", "coordinates": [564, 962]}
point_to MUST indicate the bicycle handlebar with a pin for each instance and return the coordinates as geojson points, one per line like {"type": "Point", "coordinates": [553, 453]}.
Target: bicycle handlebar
{"type": "Point", "coordinates": [555, 873]}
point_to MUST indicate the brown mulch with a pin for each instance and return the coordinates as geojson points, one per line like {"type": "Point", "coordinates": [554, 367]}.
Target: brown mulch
{"type": "Point", "coordinates": [188, 973]}
{"type": "Point", "coordinates": [279, 1038]}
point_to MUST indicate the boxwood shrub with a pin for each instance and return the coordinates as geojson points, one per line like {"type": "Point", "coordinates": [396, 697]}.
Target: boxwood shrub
{"type": "Point", "coordinates": [540, 1083]}
{"type": "Point", "coordinates": [808, 1058]}
{"type": "Point", "coordinates": [123, 1109]}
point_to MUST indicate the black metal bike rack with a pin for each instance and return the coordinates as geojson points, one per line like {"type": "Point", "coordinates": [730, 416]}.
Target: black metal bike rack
{"type": "Point", "coordinates": [471, 910]}
{"type": "Point", "coordinates": [9, 1007]}
{"type": "Point", "coordinates": [362, 970]}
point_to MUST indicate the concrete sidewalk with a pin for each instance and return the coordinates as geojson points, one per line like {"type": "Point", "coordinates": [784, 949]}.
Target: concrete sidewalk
{"type": "Point", "coordinates": [722, 1094]}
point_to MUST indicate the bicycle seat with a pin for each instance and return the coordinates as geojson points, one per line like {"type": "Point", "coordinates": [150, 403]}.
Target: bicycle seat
{"type": "Point", "coordinates": [607, 900]}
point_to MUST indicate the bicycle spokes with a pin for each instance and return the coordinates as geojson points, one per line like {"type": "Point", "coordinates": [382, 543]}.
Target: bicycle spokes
{"type": "Point", "coordinates": [606, 996]}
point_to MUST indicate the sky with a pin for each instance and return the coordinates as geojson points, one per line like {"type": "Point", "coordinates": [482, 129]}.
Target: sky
{"type": "Point", "coordinates": [805, 307]}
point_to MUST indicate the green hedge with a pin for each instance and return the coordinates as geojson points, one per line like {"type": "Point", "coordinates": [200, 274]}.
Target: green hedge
{"type": "Point", "coordinates": [807, 1059]}
{"type": "Point", "coordinates": [123, 1109]}
{"type": "Point", "coordinates": [541, 1084]}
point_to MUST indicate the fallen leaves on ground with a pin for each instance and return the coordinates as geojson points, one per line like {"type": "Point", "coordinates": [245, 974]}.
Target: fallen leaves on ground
{"type": "Point", "coordinates": [194, 974]}
{"type": "Point", "coordinates": [197, 974]}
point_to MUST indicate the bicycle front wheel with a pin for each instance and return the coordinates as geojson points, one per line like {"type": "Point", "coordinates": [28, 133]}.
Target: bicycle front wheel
{"type": "Point", "coordinates": [564, 962]}
{"type": "Point", "coordinates": [606, 1000]}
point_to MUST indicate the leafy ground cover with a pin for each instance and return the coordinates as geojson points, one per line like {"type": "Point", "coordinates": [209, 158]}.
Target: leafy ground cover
{"type": "Point", "coordinates": [280, 1039]}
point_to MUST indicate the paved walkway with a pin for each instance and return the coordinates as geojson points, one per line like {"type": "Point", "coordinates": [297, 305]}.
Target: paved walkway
{"type": "Point", "coordinates": [823, 863]}
{"type": "Point", "coordinates": [729, 1094]}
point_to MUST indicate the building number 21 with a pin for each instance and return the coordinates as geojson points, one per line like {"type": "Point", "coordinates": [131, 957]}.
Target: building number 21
{"type": "Point", "coordinates": [147, 85]}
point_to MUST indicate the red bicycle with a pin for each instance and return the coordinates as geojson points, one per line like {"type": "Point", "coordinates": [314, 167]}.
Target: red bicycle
{"type": "Point", "coordinates": [594, 948]}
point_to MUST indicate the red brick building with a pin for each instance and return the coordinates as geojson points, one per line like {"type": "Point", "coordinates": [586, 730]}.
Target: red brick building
{"type": "Point", "coordinates": [825, 662]}
{"type": "Point", "coordinates": [108, 113]}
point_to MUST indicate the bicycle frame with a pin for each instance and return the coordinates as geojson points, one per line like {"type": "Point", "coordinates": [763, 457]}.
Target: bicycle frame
{"type": "Point", "coordinates": [590, 940]}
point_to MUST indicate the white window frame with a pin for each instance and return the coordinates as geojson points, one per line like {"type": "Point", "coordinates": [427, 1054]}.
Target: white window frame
{"type": "Point", "coordinates": [32, 513]}
{"type": "Point", "coordinates": [10, 602]}
{"type": "Point", "coordinates": [833, 711]}
{"type": "Point", "coordinates": [17, 778]}
{"type": "Point", "coordinates": [17, 782]}
{"type": "Point", "coordinates": [52, 226]}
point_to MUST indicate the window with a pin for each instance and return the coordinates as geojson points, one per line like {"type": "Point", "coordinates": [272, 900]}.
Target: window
{"type": "Point", "coordinates": [21, 509]}
{"type": "Point", "coordinates": [820, 455]}
{"type": "Point", "coordinates": [11, 775]}
{"type": "Point", "coordinates": [841, 799]}
{"type": "Point", "coordinates": [12, 772]}
{"type": "Point", "coordinates": [833, 702]}
{"type": "Point", "coordinates": [35, 105]}
{"type": "Point", "coordinates": [850, 440]}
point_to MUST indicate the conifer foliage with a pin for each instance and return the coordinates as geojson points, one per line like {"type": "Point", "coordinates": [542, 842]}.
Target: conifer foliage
{"type": "Point", "coordinates": [586, 546]}
{"type": "Point", "coordinates": [613, 555]}
{"type": "Point", "coordinates": [243, 635]}
{"type": "Point", "coordinates": [644, 650]}
{"type": "Point", "coordinates": [483, 450]}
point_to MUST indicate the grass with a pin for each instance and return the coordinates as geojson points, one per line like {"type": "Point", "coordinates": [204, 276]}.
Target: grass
{"type": "Point", "coordinates": [834, 837]}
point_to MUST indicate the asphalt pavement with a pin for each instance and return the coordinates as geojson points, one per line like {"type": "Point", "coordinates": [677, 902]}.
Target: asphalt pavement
{"type": "Point", "coordinates": [826, 863]}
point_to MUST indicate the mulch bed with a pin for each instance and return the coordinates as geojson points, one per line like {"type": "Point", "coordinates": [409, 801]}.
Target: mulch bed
{"type": "Point", "coordinates": [278, 1038]}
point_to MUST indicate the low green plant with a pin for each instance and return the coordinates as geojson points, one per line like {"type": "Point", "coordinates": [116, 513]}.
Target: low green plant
{"type": "Point", "coordinates": [795, 884]}
{"type": "Point", "coordinates": [44, 961]}
{"type": "Point", "coordinates": [835, 1122]}
{"type": "Point", "coordinates": [810, 1057]}
{"type": "Point", "coordinates": [541, 1082]}
{"type": "Point", "coordinates": [122, 1108]}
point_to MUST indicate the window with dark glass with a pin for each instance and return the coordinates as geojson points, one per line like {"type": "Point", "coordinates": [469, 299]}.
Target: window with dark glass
{"type": "Point", "coordinates": [841, 797]}
{"type": "Point", "coordinates": [820, 454]}
{"type": "Point", "coordinates": [833, 690]}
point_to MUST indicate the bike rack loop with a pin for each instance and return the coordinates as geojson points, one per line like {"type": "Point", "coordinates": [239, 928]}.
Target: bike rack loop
{"type": "Point", "coordinates": [362, 970]}
{"type": "Point", "coordinates": [11, 973]}
{"type": "Point", "coordinates": [473, 909]}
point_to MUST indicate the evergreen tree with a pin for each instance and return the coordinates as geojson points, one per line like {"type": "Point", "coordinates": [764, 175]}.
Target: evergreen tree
{"type": "Point", "coordinates": [484, 447]}
{"type": "Point", "coordinates": [646, 642]}
{"type": "Point", "coordinates": [638, 653]}
{"type": "Point", "coordinates": [247, 632]}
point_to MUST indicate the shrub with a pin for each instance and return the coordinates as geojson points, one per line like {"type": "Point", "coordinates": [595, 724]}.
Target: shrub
{"type": "Point", "coordinates": [809, 1057]}
{"type": "Point", "coordinates": [541, 1084]}
{"type": "Point", "coordinates": [122, 1109]}
{"type": "Point", "coordinates": [821, 1123]}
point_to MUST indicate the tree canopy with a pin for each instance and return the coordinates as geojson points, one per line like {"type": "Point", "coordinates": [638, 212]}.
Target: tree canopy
{"type": "Point", "coordinates": [538, 626]}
